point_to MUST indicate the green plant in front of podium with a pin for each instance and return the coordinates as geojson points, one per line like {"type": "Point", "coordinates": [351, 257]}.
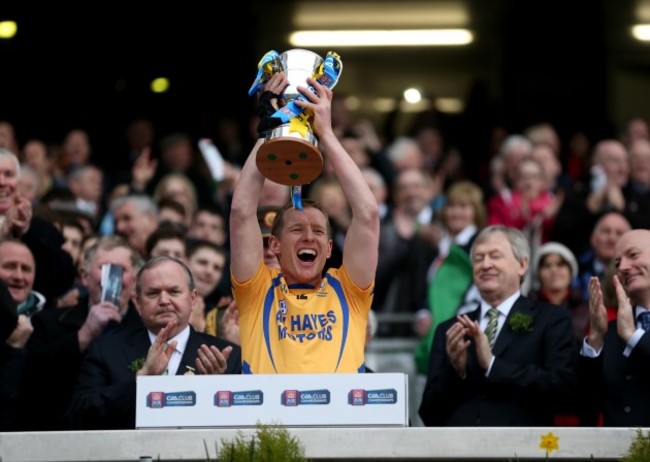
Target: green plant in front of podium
{"type": "Point", "coordinates": [639, 450]}
{"type": "Point", "coordinates": [270, 443]}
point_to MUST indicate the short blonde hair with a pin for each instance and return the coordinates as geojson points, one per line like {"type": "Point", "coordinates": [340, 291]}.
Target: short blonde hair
{"type": "Point", "coordinates": [467, 191]}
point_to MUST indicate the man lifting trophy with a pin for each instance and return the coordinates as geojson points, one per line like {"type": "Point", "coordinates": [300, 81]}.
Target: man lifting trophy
{"type": "Point", "coordinates": [290, 154]}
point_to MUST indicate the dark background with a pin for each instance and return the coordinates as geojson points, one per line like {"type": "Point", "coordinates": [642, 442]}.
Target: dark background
{"type": "Point", "coordinates": [571, 63]}
{"type": "Point", "coordinates": [91, 67]}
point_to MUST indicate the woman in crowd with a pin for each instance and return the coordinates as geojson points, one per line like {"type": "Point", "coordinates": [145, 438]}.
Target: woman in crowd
{"type": "Point", "coordinates": [450, 274]}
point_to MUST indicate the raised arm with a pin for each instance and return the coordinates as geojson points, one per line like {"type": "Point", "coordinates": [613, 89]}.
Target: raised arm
{"type": "Point", "coordinates": [246, 245]}
{"type": "Point", "coordinates": [360, 252]}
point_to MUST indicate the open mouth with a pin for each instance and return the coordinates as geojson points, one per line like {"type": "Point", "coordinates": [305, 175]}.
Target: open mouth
{"type": "Point", "coordinates": [307, 255]}
{"type": "Point", "coordinates": [16, 290]}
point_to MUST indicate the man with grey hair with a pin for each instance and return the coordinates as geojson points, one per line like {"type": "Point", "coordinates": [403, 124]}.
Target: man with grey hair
{"type": "Point", "coordinates": [62, 336]}
{"type": "Point", "coordinates": [165, 295]}
{"type": "Point", "coordinates": [510, 361]}
{"type": "Point", "coordinates": [86, 183]}
{"type": "Point", "coordinates": [14, 213]}
{"type": "Point", "coordinates": [503, 167]}
{"type": "Point", "coordinates": [42, 237]}
{"type": "Point", "coordinates": [135, 217]}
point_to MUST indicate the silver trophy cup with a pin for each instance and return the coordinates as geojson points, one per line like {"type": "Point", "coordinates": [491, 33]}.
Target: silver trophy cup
{"type": "Point", "coordinates": [290, 154]}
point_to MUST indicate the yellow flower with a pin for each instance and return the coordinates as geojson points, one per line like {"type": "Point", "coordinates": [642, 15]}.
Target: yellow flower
{"type": "Point", "coordinates": [549, 442]}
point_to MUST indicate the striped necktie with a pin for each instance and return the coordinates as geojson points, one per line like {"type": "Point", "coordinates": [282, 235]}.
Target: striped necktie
{"type": "Point", "coordinates": [644, 320]}
{"type": "Point", "coordinates": [493, 323]}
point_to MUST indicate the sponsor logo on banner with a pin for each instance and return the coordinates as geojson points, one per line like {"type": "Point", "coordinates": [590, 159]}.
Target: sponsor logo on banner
{"type": "Point", "coordinates": [159, 399]}
{"type": "Point", "coordinates": [225, 398]}
{"type": "Point", "coordinates": [357, 397]}
{"type": "Point", "coordinates": [298, 397]}
{"type": "Point", "coordinates": [360, 397]}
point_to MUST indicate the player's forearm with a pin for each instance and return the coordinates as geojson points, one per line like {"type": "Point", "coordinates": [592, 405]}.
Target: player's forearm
{"type": "Point", "coordinates": [249, 186]}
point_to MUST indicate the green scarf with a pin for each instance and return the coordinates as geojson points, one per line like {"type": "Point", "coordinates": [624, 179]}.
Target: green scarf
{"type": "Point", "coordinates": [30, 306]}
{"type": "Point", "coordinates": [445, 294]}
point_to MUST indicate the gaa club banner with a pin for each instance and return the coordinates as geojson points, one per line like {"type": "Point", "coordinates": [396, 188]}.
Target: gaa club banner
{"type": "Point", "coordinates": [291, 399]}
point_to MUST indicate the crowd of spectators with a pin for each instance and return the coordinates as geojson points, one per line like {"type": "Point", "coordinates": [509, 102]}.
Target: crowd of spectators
{"type": "Point", "coordinates": [63, 216]}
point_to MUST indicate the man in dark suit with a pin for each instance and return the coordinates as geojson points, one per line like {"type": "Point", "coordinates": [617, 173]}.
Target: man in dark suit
{"type": "Point", "coordinates": [105, 397]}
{"type": "Point", "coordinates": [513, 371]}
{"type": "Point", "coordinates": [14, 333]}
{"type": "Point", "coordinates": [614, 365]}
{"type": "Point", "coordinates": [61, 336]}
{"type": "Point", "coordinates": [8, 315]}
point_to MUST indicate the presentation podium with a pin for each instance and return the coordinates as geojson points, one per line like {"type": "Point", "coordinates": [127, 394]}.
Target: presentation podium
{"type": "Point", "coordinates": [300, 400]}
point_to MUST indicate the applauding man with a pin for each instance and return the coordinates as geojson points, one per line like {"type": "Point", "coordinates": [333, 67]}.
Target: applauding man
{"type": "Point", "coordinates": [165, 296]}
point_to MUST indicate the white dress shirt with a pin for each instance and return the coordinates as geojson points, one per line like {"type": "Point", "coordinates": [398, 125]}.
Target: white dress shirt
{"type": "Point", "coordinates": [175, 360]}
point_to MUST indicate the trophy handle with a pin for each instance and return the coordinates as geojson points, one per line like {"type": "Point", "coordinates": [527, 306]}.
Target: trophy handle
{"type": "Point", "coordinates": [338, 66]}
{"type": "Point", "coordinates": [265, 69]}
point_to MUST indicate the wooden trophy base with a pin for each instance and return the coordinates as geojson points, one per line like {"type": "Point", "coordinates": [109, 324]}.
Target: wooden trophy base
{"type": "Point", "coordinates": [289, 160]}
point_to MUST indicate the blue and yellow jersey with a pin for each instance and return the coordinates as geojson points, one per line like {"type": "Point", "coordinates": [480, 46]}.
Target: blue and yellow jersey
{"type": "Point", "coordinates": [302, 329]}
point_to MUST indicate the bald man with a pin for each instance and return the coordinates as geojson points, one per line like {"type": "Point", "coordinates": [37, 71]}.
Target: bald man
{"type": "Point", "coordinates": [614, 367]}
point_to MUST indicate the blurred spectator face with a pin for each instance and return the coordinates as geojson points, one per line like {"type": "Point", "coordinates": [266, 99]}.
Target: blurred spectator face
{"type": "Point", "coordinates": [529, 178]}
{"type": "Point", "coordinates": [73, 238]}
{"type": "Point", "coordinates": [178, 156]}
{"type": "Point", "coordinates": [554, 273]}
{"type": "Point", "coordinates": [207, 267]}
{"type": "Point", "coordinates": [612, 156]}
{"type": "Point", "coordinates": [91, 276]}
{"type": "Point", "coordinates": [140, 134]}
{"type": "Point", "coordinates": [170, 215]}
{"type": "Point", "coordinates": [17, 269]}
{"type": "Point", "coordinates": [405, 154]}
{"type": "Point", "coordinates": [377, 184]}
{"type": "Point", "coordinates": [133, 225]}
{"type": "Point", "coordinates": [638, 130]}
{"type": "Point", "coordinates": [544, 134]}
{"type": "Point", "coordinates": [512, 158]}
{"type": "Point", "coordinates": [77, 147]}
{"type": "Point", "coordinates": [208, 226]}
{"type": "Point", "coordinates": [356, 150]}
{"type": "Point", "coordinates": [551, 166]}
{"type": "Point", "coordinates": [458, 216]}
{"type": "Point", "coordinates": [640, 162]}
{"type": "Point", "coordinates": [8, 137]}
{"type": "Point", "coordinates": [177, 189]}
{"type": "Point", "coordinates": [8, 182]}
{"type": "Point", "coordinates": [35, 156]}
{"type": "Point", "coordinates": [411, 191]}
{"type": "Point", "coordinates": [28, 184]}
{"type": "Point", "coordinates": [89, 185]}
{"type": "Point", "coordinates": [334, 202]}
{"type": "Point", "coordinates": [606, 234]}
{"type": "Point", "coordinates": [170, 248]}
{"type": "Point", "coordinates": [431, 144]}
